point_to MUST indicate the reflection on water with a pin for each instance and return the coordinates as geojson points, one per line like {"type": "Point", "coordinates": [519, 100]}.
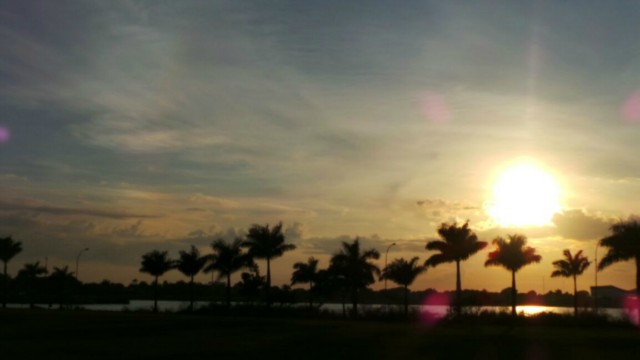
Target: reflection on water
{"type": "Point", "coordinates": [434, 310]}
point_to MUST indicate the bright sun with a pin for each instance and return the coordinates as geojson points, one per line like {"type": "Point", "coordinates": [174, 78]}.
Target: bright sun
{"type": "Point", "coordinates": [524, 195]}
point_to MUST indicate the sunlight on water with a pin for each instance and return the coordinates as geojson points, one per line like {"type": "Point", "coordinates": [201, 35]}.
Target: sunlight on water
{"type": "Point", "coordinates": [529, 310]}
{"type": "Point", "coordinates": [4, 134]}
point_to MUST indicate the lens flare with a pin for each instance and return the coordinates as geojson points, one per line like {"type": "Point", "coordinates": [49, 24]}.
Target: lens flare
{"type": "Point", "coordinates": [631, 108]}
{"type": "Point", "coordinates": [435, 108]}
{"type": "Point", "coordinates": [632, 309]}
{"type": "Point", "coordinates": [4, 134]}
{"type": "Point", "coordinates": [434, 309]}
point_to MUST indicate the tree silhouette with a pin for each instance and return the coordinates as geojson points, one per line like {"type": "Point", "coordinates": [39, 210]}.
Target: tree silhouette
{"type": "Point", "coordinates": [403, 272]}
{"type": "Point", "coordinates": [62, 279]}
{"type": "Point", "coordinates": [156, 263]}
{"type": "Point", "coordinates": [267, 243]}
{"type": "Point", "coordinates": [251, 283]}
{"type": "Point", "coordinates": [458, 244]}
{"type": "Point", "coordinates": [512, 255]}
{"type": "Point", "coordinates": [227, 258]}
{"type": "Point", "coordinates": [190, 264]}
{"type": "Point", "coordinates": [8, 249]}
{"type": "Point", "coordinates": [333, 280]}
{"type": "Point", "coordinates": [623, 244]}
{"type": "Point", "coordinates": [571, 266]}
{"type": "Point", "coordinates": [306, 273]}
{"type": "Point", "coordinates": [355, 268]}
{"type": "Point", "coordinates": [30, 276]}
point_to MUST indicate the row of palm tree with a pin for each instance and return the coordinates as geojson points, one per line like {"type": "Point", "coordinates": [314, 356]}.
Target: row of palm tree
{"type": "Point", "coordinates": [351, 269]}
{"type": "Point", "coordinates": [262, 242]}
{"type": "Point", "coordinates": [460, 242]}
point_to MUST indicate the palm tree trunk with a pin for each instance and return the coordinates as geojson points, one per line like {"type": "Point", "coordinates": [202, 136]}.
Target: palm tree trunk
{"type": "Point", "coordinates": [458, 289]}
{"type": "Point", "coordinates": [191, 294]}
{"type": "Point", "coordinates": [228, 290]}
{"type": "Point", "coordinates": [354, 300]}
{"type": "Point", "coordinates": [310, 294]}
{"type": "Point", "coordinates": [4, 287]}
{"type": "Point", "coordinates": [155, 295]}
{"type": "Point", "coordinates": [344, 304]}
{"type": "Point", "coordinates": [575, 297]}
{"type": "Point", "coordinates": [514, 293]}
{"type": "Point", "coordinates": [406, 301]}
{"type": "Point", "coordinates": [268, 282]}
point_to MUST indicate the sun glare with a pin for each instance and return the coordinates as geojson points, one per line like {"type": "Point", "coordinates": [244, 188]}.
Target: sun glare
{"type": "Point", "coordinates": [524, 195]}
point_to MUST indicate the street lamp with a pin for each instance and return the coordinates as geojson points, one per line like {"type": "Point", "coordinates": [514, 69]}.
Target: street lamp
{"type": "Point", "coordinates": [595, 288]}
{"type": "Point", "coordinates": [78, 260]}
{"type": "Point", "coordinates": [386, 254]}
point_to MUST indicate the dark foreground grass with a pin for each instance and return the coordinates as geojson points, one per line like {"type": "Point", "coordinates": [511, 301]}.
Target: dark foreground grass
{"type": "Point", "coordinates": [105, 335]}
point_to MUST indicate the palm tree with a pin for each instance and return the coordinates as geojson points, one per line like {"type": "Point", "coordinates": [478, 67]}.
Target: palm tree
{"type": "Point", "coordinates": [267, 243]}
{"type": "Point", "coordinates": [571, 266]}
{"type": "Point", "coordinates": [30, 275]}
{"type": "Point", "coordinates": [8, 249]}
{"type": "Point", "coordinates": [156, 263]}
{"type": "Point", "coordinates": [62, 279]}
{"type": "Point", "coordinates": [458, 244]}
{"type": "Point", "coordinates": [190, 264]}
{"type": "Point", "coordinates": [623, 244]}
{"type": "Point", "coordinates": [333, 280]}
{"type": "Point", "coordinates": [355, 268]}
{"type": "Point", "coordinates": [227, 258]}
{"type": "Point", "coordinates": [306, 273]}
{"type": "Point", "coordinates": [512, 255]}
{"type": "Point", "coordinates": [403, 272]}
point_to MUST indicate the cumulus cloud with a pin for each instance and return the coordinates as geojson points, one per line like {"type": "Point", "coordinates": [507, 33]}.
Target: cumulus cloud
{"type": "Point", "coordinates": [578, 225]}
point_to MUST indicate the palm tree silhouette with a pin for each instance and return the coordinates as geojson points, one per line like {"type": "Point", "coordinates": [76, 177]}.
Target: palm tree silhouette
{"type": "Point", "coordinates": [458, 244]}
{"type": "Point", "coordinates": [512, 255]}
{"type": "Point", "coordinates": [403, 272]}
{"type": "Point", "coordinates": [306, 273]}
{"type": "Point", "coordinates": [62, 279]}
{"type": "Point", "coordinates": [355, 268]}
{"type": "Point", "coordinates": [623, 244]}
{"type": "Point", "coordinates": [156, 263]}
{"type": "Point", "coordinates": [190, 264]}
{"type": "Point", "coordinates": [267, 243]}
{"type": "Point", "coordinates": [227, 258]}
{"type": "Point", "coordinates": [30, 275]}
{"type": "Point", "coordinates": [333, 280]}
{"type": "Point", "coordinates": [8, 249]}
{"type": "Point", "coordinates": [571, 266]}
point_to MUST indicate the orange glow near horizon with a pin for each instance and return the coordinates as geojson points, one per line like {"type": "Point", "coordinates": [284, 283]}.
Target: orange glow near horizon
{"type": "Point", "coordinates": [524, 195]}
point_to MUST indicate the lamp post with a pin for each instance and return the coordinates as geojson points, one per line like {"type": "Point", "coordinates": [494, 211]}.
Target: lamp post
{"type": "Point", "coordinates": [595, 288]}
{"type": "Point", "coordinates": [386, 254]}
{"type": "Point", "coordinates": [78, 260]}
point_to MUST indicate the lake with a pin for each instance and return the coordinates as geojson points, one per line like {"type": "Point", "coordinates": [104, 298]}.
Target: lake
{"type": "Point", "coordinates": [435, 310]}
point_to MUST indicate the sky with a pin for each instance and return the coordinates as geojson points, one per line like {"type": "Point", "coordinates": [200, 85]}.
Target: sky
{"type": "Point", "coordinates": [128, 126]}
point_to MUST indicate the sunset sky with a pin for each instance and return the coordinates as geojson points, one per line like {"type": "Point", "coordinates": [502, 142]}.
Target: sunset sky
{"type": "Point", "coordinates": [128, 126]}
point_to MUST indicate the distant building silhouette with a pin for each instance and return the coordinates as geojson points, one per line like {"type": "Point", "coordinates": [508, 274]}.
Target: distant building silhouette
{"type": "Point", "coordinates": [609, 295]}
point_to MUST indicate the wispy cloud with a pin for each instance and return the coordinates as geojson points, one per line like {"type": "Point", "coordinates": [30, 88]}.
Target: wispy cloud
{"type": "Point", "coordinates": [55, 210]}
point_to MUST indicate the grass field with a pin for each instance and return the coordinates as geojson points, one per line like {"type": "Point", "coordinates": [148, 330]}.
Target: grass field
{"type": "Point", "coordinates": [43, 335]}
